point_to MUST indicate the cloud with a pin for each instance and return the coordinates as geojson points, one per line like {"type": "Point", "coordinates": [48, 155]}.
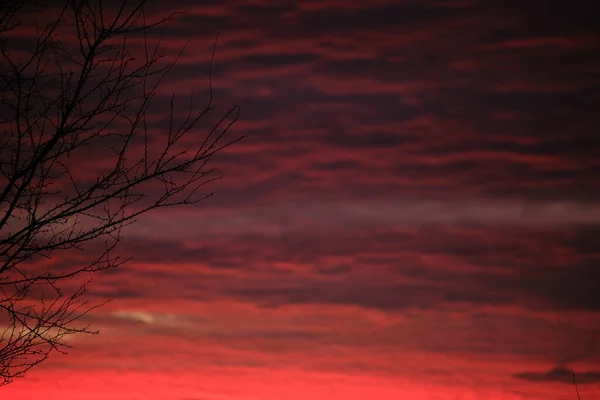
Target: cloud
{"type": "Point", "coordinates": [302, 218]}
{"type": "Point", "coordinates": [560, 374]}
{"type": "Point", "coordinates": [147, 318]}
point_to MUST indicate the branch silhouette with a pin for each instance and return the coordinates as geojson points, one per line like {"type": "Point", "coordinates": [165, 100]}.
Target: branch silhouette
{"type": "Point", "coordinates": [80, 159]}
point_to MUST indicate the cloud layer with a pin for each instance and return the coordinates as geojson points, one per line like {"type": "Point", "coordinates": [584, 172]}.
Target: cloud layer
{"type": "Point", "coordinates": [413, 216]}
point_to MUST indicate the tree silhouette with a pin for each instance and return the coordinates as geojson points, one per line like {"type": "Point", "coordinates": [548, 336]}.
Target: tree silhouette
{"type": "Point", "coordinates": [81, 158]}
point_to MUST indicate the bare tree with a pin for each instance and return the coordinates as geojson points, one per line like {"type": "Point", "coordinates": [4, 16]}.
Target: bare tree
{"type": "Point", "coordinates": [80, 158]}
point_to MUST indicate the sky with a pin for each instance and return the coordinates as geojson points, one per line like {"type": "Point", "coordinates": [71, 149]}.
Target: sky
{"type": "Point", "coordinates": [414, 214]}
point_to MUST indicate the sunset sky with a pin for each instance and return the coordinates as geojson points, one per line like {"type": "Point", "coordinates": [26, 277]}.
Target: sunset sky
{"type": "Point", "coordinates": [415, 214]}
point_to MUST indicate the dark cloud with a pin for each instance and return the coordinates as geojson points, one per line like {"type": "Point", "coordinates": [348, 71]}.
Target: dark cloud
{"type": "Point", "coordinates": [270, 60]}
{"type": "Point", "coordinates": [426, 268]}
{"type": "Point", "coordinates": [560, 374]}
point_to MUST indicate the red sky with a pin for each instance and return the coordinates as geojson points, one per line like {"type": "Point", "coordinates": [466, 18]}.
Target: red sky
{"type": "Point", "coordinates": [414, 216]}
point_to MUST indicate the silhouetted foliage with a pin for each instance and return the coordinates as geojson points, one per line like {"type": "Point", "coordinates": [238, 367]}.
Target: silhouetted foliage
{"type": "Point", "coordinates": [81, 157]}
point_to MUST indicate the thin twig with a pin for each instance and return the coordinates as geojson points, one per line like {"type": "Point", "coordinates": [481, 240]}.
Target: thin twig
{"type": "Point", "coordinates": [576, 389]}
